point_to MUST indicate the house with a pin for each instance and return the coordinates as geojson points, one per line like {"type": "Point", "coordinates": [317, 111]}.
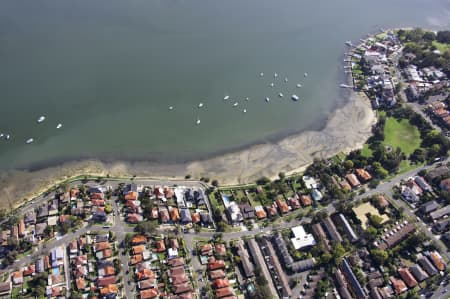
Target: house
{"type": "Point", "coordinates": [306, 200]}
{"type": "Point", "coordinates": [425, 263]}
{"type": "Point", "coordinates": [345, 185]}
{"type": "Point", "coordinates": [138, 240]}
{"type": "Point", "coordinates": [182, 288]}
{"type": "Point", "coordinates": [437, 260]}
{"type": "Point", "coordinates": [441, 226]}
{"type": "Point", "coordinates": [109, 289]}
{"type": "Point", "coordinates": [160, 246]}
{"type": "Point", "coordinates": [17, 277]}
{"type": "Point", "coordinates": [206, 249]}
{"type": "Point", "coordinates": [392, 238]}
{"type": "Point", "coordinates": [316, 195]}
{"type": "Point", "coordinates": [353, 180]}
{"type": "Point", "coordinates": [145, 274]}
{"type": "Point", "coordinates": [331, 229]}
{"type": "Point", "coordinates": [174, 214]}
{"type": "Point", "coordinates": [418, 273]}
{"type": "Point", "coordinates": [398, 285]}
{"type": "Point", "coordinates": [30, 218]}
{"type": "Point", "coordinates": [206, 218]}
{"type": "Point", "coordinates": [234, 213]}
{"type": "Point", "coordinates": [42, 211]}
{"type": "Point", "coordinates": [248, 212]}
{"type": "Point", "coordinates": [220, 283]}
{"type": "Point", "coordinates": [301, 238]}
{"type": "Point", "coordinates": [260, 213]}
{"type": "Point", "coordinates": [414, 187]}
{"type": "Point", "coordinates": [247, 266]}
{"type": "Point", "coordinates": [320, 234]}
{"type": "Point", "coordinates": [215, 265]}
{"type": "Point", "coordinates": [429, 207]}
{"type": "Point", "coordinates": [282, 205]}
{"type": "Point", "coordinates": [224, 292]}
{"type": "Point", "coordinates": [445, 185]}
{"type": "Point", "coordinates": [345, 225]}
{"type": "Point", "coordinates": [164, 215]}
{"type": "Point", "coordinates": [149, 294]}
{"type": "Point", "coordinates": [154, 214]}
{"type": "Point", "coordinates": [195, 218]}
{"type": "Point", "coordinates": [363, 174]}
{"type": "Point", "coordinates": [283, 282]}
{"type": "Point", "coordinates": [310, 182]}
{"type": "Point", "coordinates": [272, 210]}
{"type": "Point", "coordinates": [220, 249]}
{"type": "Point", "coordinates": [131, 195]}
{"type": "Point", "coordinates": [382, 201]}
{"type": "Point", "coordinates": [108, 270]}
{"type": "Point", "coordinates": [409, 194]}
{"type": "Point", "coordinates": [440, 213]}
{"type": "Point", "coordinates": [5, 288]}
{"type": "Point", "coordinates": [146, 284]}
{"type": "Point", "coordinates": [353, 281]}
{"type": "Point", "coordinates": [294, 202]}
{"type": "Point", "coordinates": [21, 228]}
{"type": "Point", "coordinates": [134, 218]}
{"type": "Point", "coordinates": [437, 172]}
{"type": "Point", "coordinates": [185, 217]}
{"type": "Point", "coordinates": [422, 184]}
{"type": "Point", "coordinates": [216, 274]}
{"type": "Point", "coordinates": [407, 277]}
{"type": "Point", "coordinates": [176, 262]}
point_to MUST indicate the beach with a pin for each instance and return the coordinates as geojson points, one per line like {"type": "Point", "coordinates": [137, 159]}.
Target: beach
{"type": "Point", "coordinates": [347, 129]}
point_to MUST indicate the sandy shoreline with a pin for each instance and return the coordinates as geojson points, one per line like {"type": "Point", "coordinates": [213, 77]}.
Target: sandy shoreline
{"type": "Point", "coordinates": [347, 128]}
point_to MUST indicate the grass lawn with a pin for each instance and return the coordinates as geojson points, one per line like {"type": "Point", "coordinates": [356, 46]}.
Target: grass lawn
{"type": "Point", "coordinates": [366, 151]}
{"type": "Point", "coordinates": [441, 47]}
{"type": "Point", "coordinates": [401, 134]}
{"type": "Point", "coordinates": [253, 201]}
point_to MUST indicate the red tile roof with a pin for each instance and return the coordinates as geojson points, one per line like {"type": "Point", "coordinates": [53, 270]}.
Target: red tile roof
{"type": "Point", "coordinates": [221, 283]}
{"type": "Point", "coordinates": [148, 294]}
{"type": "Point", "coordinates": [219, 264]}
{"type": "Point", "coordinates": [407, 277]}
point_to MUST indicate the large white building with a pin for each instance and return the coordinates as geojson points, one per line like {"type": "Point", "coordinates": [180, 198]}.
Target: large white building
{"type": "Point", "coordinates": [301, 238]}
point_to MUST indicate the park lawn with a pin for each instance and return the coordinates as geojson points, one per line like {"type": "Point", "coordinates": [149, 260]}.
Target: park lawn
{"type": "Point", "coordinates": [441, 46]}
{"type": "Point", "coordinates": [401, 134]}
{"type": "Point", "coordinates": [366, 151]}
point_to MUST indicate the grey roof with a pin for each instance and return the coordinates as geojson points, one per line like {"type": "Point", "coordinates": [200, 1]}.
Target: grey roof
{"type": "Point", "coordinates": [422, 183]}
{"type": "Point", "coordinates": [303, 265]}
{"type": "Point", "coordinates": [345, 294]}
{"type": "Point", "coordinates": [101, 238]}
{"type": "Point", "coordinates": [439, 171]}
{"type": "Point", "coordinates": [409, 195]}
{"type": "Point", "coordinates": [418, 273]}
{"type": "Point", "coordinates": [427, 266]}
{"type": "Point", "coordinates": [347, 228]}
{"type": "Point", "coordinates": [442, 225]}
{"type": "Point", "coordinates": [206, 218]}
{"type": "Point", "coordinates": [331, 229]}
{"type": "Point", "coordinates": [283, 251]}
{"type": "Point", "coordinates": [356, 286]}
{"type": "Point", "coordinates": [245, 259]}
{"type": "Point", "coordinates": [430, 206]}
{"type": "Point", "coordinates": [374, 294]}
{"type": "Point", "coordinates": [43, 211]}
{"type": "Point", "coordinates": [440, 213]}
{"type": "Point", "coordinates": [40, 265]}
{"type": "Point", "coordinates": [185, 215]}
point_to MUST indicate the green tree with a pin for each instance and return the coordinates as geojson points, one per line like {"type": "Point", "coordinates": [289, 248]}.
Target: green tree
{"type": "Point", "coordinates": [348, 164]}
{"type": "Point", "coordinates": [379, 256]}
{"type": "Point", "coordinates": [108, 208]}
{"type": "Point", "coordinates": [376, 221]}
{"type": "Point", "coordinates": [146, 227]}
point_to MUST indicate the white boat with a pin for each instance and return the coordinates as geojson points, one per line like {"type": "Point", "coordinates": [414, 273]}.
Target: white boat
{"type": "Point", "coordinates": [170, 107]}
{"type": "Point", "coordinates": [349, 43]}
{"type": "Point", "coordinates": [7, 136]}
{"type": "Point", "coordinates": [59, 126]}
{"type": "Point", "coordinates": [275, 75]}
{"type": "Point", "coordinates": [280, 95]}
{"type": "Point", "coordinates": [305, 74]}
{"type": "Point", "coordinates": [295, 97]}
{"type": "Point", "coordinates": [200, 105]}
{"type": "Point", "coordinates": [271, 84]}
{"type": "Point", "coordinates": [245, 110]}
{"type": "Point", "coordinates": [226, 97]}
{"type": "Point", "coordinates": [299, 85]}
{"type": "Point", "coordinates": [235, 104]}
{"type": "Point", "coordinates": [247, 99]}
{"type": "Point", "coordinates": [261, 74]}
{"type": "Point", "coordinates": [41, 119]}
{"type": "Point", "coordinates": [198, 121]}
{"type": "Point", "coordinates": [286, 80]}
{"type": "Point", "coordinates": [31, 140]}
{"type": "Point", "coordinates": [267, 99]}
{"type": "Point", "coordinates": [1, 135]}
